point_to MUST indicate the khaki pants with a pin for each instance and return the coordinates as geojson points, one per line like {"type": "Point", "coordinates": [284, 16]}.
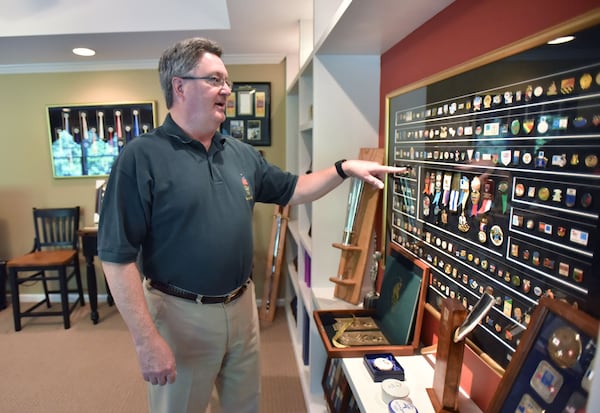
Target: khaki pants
{"type": "Point", "coordinates": [215, 345]}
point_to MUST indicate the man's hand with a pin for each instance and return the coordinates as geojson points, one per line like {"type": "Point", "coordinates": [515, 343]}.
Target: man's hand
{"type": "Point", "coordinates": [157, 361]}
{"type": "Point", "coordinates": [313, 186]}
{"type": "Point", "coordinates": [372, 173]}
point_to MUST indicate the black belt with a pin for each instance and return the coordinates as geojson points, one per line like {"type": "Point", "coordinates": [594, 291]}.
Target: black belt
{"type": "Point", "coordinates": [204, 299]}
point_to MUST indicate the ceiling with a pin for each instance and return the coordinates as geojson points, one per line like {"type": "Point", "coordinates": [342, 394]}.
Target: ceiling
{"type": "Point", "coordinates": [39, 35]}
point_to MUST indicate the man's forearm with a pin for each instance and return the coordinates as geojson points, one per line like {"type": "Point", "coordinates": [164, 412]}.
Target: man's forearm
{"type": "Point", "coordinates": [313, 186]}
{"type": "Point", "coordinates": [127, 290]}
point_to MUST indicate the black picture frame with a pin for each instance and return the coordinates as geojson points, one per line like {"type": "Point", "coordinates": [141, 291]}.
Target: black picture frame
{"type": "Point", "coordinates": [248, 111]}
{"type": "Point", "coordinates": [86, 139]}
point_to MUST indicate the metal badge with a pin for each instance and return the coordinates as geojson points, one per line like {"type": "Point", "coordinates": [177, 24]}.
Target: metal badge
{"type": "Point", "coordinates": [564, 347]}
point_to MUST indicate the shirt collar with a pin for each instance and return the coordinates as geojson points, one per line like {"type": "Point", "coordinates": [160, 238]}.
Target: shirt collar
{"type": "Point", "coordinates": [173, 130]}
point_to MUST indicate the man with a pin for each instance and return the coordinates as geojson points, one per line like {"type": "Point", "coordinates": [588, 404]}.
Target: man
{"type": "Point", "coordinates": [181, 198]}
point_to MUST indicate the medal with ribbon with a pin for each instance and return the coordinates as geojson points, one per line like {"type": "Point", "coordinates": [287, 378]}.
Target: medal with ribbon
{"type": "Point", "coordinates": [426, 188]}
{"type": "Point", "coordinates": [463, 225]}
{"type": "Point", "coordinates": [455, 192]}
{"type": "Point", "coordinates": [438, 192]}
{"type": "Point", "coordinates": [503, 189]}
{"type": "Point", "coordinates": [487, 196]}
{"type": "Point", "coordinates": [446, 185]}
{"type": "Point", "coordinates": [475, 186]}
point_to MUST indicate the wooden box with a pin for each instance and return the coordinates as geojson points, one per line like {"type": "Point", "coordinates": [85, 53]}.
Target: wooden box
{"type": "Point", "coordinates": [394, 326]}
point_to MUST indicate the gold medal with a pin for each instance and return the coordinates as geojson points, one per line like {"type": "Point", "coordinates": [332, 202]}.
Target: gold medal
{"type": "Point", "coordinates": [564, 347]}
{"type": "Point", "coordinates": [585, 81]}
{"type": "Point", "coordinates": [591, 161]}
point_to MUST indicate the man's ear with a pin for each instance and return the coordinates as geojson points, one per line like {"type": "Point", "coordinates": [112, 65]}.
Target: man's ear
{"type": "Point", "coordinates": [177, 84]}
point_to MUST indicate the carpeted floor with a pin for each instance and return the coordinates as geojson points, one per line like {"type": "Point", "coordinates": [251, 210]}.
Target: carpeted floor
{"type": "Point", "coordinates": [93, 368]}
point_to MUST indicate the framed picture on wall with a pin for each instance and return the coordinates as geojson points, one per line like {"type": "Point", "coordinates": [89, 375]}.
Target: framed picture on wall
{"type": "Point", "coordinates": [248, 111]}
{"type": "Point", "coordinates": [86, 139]}
{"type": "Point", "coordinates": [552, 368]}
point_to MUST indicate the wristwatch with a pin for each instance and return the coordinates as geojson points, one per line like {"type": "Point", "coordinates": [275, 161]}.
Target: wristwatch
{"type": "Point", "coordinates": [340, 171]}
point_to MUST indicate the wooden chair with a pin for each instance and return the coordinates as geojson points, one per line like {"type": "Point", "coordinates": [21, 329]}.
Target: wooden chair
{"type": "Point", "coordinates": [54, 257]}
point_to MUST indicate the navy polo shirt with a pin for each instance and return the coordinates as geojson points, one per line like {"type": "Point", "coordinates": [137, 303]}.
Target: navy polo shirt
{"type": "Point", "coordinates": [187, 210]}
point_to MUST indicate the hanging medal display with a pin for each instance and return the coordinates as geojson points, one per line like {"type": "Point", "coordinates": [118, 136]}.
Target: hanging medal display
{"type": "Point", "coordinates": [426, 188]}
{"type": "Point", "coordinates": [437, 195]}
{"type": "Point", "coordinates": [463, 225]}
{"type": "Point", "coordinates": [446, 187]}
{"type": "Point", "coordinates": [454, 192]}
{"type": "Point", "coordinates": [426, 204]}
{"type": "Point", "coordinates": [503, 189]}
{"type": "Point", "coordinates": [487, 196]}
{"type": "Point", "coordinates": [482, 234]}
{"type": "Point", "coordinates": [475, 187]}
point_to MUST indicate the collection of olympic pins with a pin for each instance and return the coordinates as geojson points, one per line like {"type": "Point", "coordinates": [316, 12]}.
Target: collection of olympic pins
{"type": "Point", "coordinates": [502, 191]}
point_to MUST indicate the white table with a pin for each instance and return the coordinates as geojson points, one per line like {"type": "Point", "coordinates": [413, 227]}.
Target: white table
{"type": "Point", "coordinates": [418, 373]}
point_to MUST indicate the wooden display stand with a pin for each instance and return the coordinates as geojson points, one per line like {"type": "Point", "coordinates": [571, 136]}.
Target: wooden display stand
{"type": "Point", "coordinates": [449, 358]}
{"type": "Point", "coordinates": [273, 271]}
{"type": "Point", "coordinates": [454, 326]}
{"type": "Point", "coordinates": [355, 254]}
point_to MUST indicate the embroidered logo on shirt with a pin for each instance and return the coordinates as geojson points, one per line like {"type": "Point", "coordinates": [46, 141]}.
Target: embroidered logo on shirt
{"type": "Point", "coordinates": [247, 189]}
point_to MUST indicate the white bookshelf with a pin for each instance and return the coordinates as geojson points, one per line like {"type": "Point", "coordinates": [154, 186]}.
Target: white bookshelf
{"type": "Point", "coordinates": [333, 111]}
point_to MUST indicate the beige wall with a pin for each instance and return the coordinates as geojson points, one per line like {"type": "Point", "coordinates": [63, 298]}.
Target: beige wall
{"type": "Point", "coordinates": [25, 170]}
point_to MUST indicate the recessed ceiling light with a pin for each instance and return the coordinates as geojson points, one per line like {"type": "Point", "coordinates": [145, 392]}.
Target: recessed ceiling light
{"type": "Point", "coordinates": [560, 40]}
{"type": "Point", "coordinates": [84, 51]}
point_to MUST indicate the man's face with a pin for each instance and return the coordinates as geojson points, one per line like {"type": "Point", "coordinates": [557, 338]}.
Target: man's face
{"type": "Point", "coordinates": [203, 100]}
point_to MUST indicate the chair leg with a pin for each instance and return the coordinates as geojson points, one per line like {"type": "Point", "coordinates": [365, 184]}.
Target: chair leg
{"type": "Point", "coordinates": [46, 294]}
{"type": "Point", "coordinates": [14, 293]}
{"type": "Point", "coordinates": [64, 296]}
{"type": "Point", "coordinates": [79, 284]}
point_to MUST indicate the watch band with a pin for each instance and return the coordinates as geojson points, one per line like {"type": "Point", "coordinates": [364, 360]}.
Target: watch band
{"type": "Point", "coordinates": [340, 171]}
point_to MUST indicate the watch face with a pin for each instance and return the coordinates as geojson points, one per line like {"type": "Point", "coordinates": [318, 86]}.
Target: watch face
{"type": "Point", "coordinates": [564, 347]}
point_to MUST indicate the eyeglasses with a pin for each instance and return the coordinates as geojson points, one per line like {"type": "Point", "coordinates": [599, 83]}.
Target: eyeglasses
{"type": "Point", "coordinates": [211, 80]}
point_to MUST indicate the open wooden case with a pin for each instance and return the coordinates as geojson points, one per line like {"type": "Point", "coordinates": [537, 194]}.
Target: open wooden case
{"type": "Point", "coordinates": [393, 326]}
{"type": "Point", "coordinates": [552, 367]}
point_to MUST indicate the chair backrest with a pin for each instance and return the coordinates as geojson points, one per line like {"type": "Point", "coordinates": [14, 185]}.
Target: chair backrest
{"type": "Point", "coordinates": [56, 228]}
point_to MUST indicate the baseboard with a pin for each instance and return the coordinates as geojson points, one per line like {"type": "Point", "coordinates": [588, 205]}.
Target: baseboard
{"type": "Point", "coordinates": [33, 298]}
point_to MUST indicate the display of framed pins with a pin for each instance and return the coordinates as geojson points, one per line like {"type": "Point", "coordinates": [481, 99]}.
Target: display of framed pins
{"type": "Point", "coordinates": [504, 190]}
{"type": "Point", "coordinates": [86, 139]}
{"type": "Point", "coordinates": [248, 111]}
{"type": "Point", "coordinates": [553, 365]}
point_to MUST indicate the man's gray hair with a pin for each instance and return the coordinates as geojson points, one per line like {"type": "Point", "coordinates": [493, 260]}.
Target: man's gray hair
{"type": "Point", "coordinates": [180, 59]}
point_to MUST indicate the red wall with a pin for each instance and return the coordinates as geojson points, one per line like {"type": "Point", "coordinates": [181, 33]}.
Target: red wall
{"type": "Point", "coordinates": [465, 30]}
